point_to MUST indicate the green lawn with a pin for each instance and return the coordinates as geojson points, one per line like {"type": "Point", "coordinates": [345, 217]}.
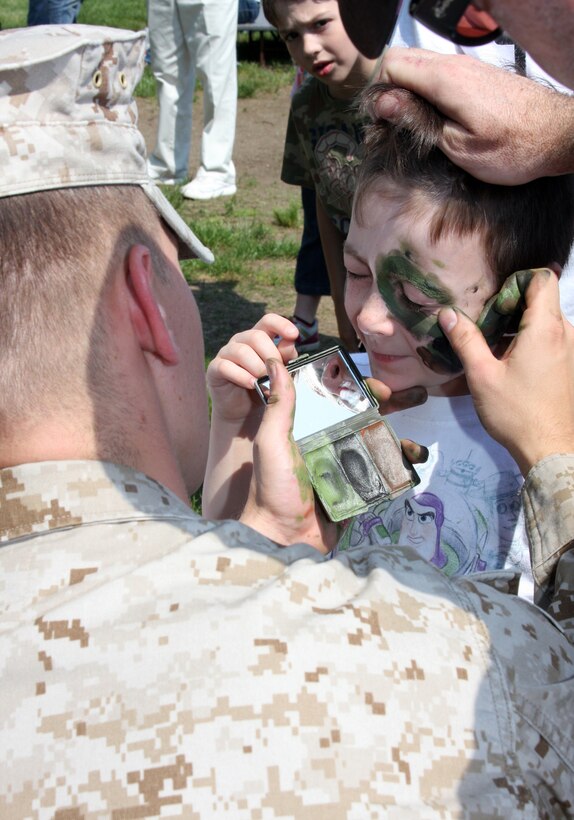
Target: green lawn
{"type": "Point", "coordinates": [119, 13]}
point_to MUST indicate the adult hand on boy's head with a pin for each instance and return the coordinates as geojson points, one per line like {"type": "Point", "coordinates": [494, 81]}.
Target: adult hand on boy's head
{"type": "Point", "coordinates": [499, 126]}
{"type": "Point", "coordinates": [281, 503]}
{"type": "Point", "coordinates": [526, 399]}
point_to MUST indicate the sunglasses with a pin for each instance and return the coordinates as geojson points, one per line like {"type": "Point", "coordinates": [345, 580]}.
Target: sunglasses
{"type": "Point", "coordinates": [457, 20]}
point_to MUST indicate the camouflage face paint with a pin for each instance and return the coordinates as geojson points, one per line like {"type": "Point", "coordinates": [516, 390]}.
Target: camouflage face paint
{"type": "Point", "coordinates": [501, 314]}
{"type": "Point", "coordinates": [394, 271]}
{"type": "Point", "coordinates": [495, 319]}
{"type": "Point", "coordinates": [359, 468]}
{"type": "Point", "coordinates": [328, 478]}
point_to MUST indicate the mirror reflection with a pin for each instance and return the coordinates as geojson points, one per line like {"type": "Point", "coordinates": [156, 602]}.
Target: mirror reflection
{"type": "Point", "coordinates": [327, 393]}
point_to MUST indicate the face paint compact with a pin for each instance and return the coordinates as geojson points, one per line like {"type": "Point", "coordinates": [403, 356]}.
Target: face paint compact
{"type": "Point", "coordinates": [352, 455]}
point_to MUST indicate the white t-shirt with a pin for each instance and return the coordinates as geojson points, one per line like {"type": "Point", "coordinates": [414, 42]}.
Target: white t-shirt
{"type": "Point", "coordinates": [466, 513]}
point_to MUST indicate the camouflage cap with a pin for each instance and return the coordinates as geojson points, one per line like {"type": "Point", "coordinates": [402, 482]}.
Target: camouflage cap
{"type": "Point", "coordinates": [68, 118]}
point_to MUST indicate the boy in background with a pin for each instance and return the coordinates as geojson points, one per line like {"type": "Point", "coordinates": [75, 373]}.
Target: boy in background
{"type": "Point", "coordinates": [323, 151]}
{"type": "Point", "coordinates": [324, 135]}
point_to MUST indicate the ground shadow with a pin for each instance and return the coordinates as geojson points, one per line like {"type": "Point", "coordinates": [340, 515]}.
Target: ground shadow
{"type": "Point", "coordinates": [224, 312]}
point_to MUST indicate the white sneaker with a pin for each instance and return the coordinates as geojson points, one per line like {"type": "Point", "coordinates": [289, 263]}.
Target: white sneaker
{"type": "Point", "coordinates": [209, 185]}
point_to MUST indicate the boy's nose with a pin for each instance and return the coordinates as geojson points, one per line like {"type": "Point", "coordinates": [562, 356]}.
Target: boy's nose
{"type": "Point", "coordinates": [375, 317]}
{"type": "Point", "coordinates": [311, 44]}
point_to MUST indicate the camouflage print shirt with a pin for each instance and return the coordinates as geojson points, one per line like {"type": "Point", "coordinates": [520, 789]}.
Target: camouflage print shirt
{"type": "Point", "coordinates": [323, 148]}
{"type": "Point", "coordinates": [154, 663]}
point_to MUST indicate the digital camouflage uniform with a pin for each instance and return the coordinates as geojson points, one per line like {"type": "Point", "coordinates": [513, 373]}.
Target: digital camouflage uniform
{"type": "Point", "coordinates": [323, 148]}
{"type": "Point", "coordinates": [154, 663]}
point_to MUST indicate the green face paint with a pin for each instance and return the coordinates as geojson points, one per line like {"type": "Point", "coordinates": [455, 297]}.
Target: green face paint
{"type": "Point", "coordinates": [394, 271]}
{"type": "Point", "coordinates": [349, 461]}
{"type": "Point", "coordinates": [501, 314]}
{"type": "Point", "coordinates": [338, 497]}
{"type": "Point", "coordinates": [497, 317]}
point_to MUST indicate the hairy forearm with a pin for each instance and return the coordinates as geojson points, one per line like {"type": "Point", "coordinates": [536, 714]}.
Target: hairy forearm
{"type": "Point", "coordinates": [555, 130]}
{"type": "Point", "coordinates": [505, 129]}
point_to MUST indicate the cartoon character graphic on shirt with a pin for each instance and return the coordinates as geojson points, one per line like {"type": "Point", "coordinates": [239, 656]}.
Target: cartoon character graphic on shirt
{"type": "Point", "coordinates": [463, 525]}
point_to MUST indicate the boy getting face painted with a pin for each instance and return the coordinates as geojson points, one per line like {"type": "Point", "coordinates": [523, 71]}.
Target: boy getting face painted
{"type": "Point", "coordinates": [425, 235]}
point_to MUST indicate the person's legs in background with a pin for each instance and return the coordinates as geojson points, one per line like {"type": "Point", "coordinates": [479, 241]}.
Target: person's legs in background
{"type": "Point", "coordinates": [38, 13]}
{"type": "Point", "coordinates": [248, 11]}
{"type": "Point", "coordinates": [217, 69]}
{"type": "Point", "coordinates": [311, 277]}
{"type": "Point", "coordinates": [172, 28]}
{"type": "Point", "coordinates": [44, 12]}
{"type": "Point", "coordinates": [64, 11]}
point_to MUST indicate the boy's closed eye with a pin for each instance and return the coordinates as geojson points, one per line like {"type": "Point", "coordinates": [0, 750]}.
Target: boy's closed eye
{"type": "Point", "coordinates": [357, 275]}
{"type": "Point", "coordinates": [412, 298]}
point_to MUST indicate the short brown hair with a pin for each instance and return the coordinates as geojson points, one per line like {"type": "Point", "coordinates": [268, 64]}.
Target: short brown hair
{"type": "Point", "coordinates": [270, 10]}
{"type": "Point", "coordinates": [56, 249]}
{"type": "Point", "coordinates": [523, 226]}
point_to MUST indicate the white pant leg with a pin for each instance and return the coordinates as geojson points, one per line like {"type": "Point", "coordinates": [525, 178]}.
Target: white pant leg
{"type": "Point", "coordinates": [217, 69]}
{"type": "Point", "coordinates": [173, 65]}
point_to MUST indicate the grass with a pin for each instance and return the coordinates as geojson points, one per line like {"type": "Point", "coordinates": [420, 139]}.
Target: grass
{"type": "Point", "coordinates": [125, 14]}
{"type": "Point", "coordinates": [288, 217]}
{"type": "Point", "coordinates": [252, 80]}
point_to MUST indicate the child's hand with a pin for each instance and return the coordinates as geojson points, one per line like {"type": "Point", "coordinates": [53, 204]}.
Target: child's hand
{"type": "Point", "coordinates": [281, 504]}
{"type": "Point", "coordinates": [232, 374]}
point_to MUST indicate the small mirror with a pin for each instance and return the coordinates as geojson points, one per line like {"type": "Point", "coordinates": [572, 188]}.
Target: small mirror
{"type": "Point", "coordinates": [329, 390]}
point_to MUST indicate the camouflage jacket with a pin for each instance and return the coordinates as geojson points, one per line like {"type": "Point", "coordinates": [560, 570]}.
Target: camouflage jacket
{"type": "Point", "coordinates": [155, 663]}
{"type": "Point", "coordinates": [323, 148]}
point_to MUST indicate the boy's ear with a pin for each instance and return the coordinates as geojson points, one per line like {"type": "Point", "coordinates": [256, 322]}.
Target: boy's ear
{"type": "Point", "coordinates": [146, 313]}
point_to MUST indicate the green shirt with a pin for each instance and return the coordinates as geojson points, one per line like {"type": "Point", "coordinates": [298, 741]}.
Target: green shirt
{"type": "Point", "coordinates": [323, 148]}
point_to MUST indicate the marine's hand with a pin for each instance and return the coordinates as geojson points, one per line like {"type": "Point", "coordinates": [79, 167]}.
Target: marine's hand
{"type": "Point", "coordinates": [526, 399]}
{"type": "Point", "coordinates": [501, 127]}
{"type": "Point", "coordinates": [281, 503]}
{"type": "Point", "coordinates": [231, 374]}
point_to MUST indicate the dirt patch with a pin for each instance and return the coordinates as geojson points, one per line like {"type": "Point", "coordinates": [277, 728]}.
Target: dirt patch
{"type": "Point", "coordinates": [232, 303]}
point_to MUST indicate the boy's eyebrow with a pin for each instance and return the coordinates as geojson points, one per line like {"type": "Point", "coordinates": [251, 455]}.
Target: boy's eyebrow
{"type": "Point", "coordinates": [317, 15]}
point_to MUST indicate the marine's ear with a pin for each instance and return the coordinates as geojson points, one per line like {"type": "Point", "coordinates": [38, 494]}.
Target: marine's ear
{"type": "Point", "coordinates": [146, 313]}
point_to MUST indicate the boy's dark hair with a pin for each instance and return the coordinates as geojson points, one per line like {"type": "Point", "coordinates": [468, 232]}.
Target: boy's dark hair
{"type": "Point", "coordinates": [524, 226]}
{"type": "Point", "coordinates": [270, 10]}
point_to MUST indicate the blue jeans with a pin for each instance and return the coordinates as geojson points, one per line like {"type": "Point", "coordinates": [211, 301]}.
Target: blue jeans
{"type": "Point", "coordinates": [311, 277]}
{"type": "Point", "coordinates": [42, 12]}
{"type": "Point", "coordinates": [248, 11]}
